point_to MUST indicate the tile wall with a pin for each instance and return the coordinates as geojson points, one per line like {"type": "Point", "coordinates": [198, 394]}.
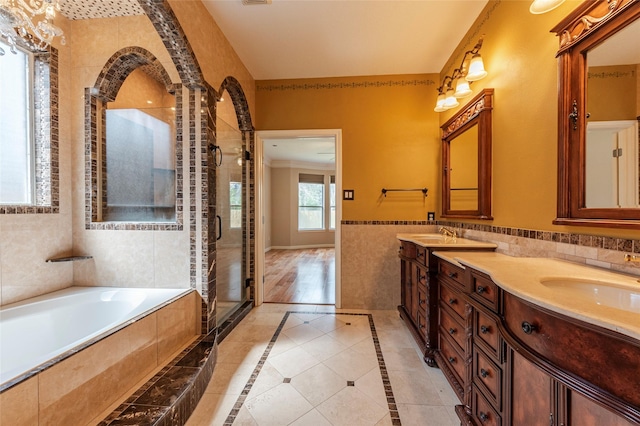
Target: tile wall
{"type": "Point", "coordinates": [370, 266]}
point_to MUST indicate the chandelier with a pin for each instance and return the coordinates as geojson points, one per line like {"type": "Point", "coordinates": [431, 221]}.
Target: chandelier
{"type": "Point", "coordinates": [17, 21]}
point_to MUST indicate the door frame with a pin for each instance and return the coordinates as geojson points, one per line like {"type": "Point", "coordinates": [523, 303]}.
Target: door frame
{"type": "Point", "coordinates": [261, 136]}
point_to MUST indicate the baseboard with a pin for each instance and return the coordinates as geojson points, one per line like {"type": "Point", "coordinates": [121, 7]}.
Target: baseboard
{"type": "Point", "coordinates": [301, 247]}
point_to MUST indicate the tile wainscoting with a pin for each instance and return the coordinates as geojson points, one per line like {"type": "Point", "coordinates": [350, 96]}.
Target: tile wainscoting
{"type": "Point", "coordinates": [370, 270]}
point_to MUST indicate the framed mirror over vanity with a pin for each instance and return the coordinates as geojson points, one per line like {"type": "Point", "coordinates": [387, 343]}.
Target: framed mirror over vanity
{"type": "Point", "coordinates": [466, 160]}
{"type": "Point", "coordinates": [599, 111]}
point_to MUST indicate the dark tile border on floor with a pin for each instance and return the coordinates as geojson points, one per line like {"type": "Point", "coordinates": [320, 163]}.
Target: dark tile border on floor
{"type": "Point", "coordinates": [391, 402]}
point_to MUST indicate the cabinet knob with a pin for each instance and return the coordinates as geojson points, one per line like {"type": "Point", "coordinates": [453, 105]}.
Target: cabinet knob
{"type": "Point", "coordinates": [452, 301]}
{"type": "Point", "coordinates": [452, 331]}
{"type": "Point", "coordinates": [484, 329]}
{"type": "Point", "coordinates": [452, 359]}
{"type": "Point", "coordinates": [481, 289]}
{"type": "Point", "coordinates": [484, 373]}
{"type": "Point", "coordinates": [483, 416]}
{"type": "Point", "coordinates": [452, 274]}
{"type": "Point", "coordinates": [422, 301]}
{"type": "Point", "coordinates": [528, 328]}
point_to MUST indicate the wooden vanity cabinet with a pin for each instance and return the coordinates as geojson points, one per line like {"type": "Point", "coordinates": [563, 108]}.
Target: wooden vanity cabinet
{"type": "Point", "coordinates": [418, 297]}
{"type": "Point", "coordinates": [420, 270]}
{"type": "Point", "coordinates": [526, 365]}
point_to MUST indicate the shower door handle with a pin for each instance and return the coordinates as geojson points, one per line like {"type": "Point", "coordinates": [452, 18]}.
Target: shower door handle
{"type": "Point", "coordinates": [219, 227]}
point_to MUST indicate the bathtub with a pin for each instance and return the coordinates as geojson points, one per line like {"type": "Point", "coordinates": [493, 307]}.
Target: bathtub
{"type": "Point", "coordinates": [39, 332]}
{"type": "Point", "coordinates": [69, 356]}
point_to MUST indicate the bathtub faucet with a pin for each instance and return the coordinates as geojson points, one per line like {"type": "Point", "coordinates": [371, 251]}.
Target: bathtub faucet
{"type": "Point", "coordinates": [448, 232]}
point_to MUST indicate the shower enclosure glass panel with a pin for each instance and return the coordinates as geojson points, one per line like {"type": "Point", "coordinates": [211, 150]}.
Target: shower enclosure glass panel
{"type": "Point", "coordinates": [230, 203]}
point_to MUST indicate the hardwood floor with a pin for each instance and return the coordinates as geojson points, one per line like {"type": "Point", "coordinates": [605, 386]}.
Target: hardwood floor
{"type": "Point", "coordinates": [300, 276]}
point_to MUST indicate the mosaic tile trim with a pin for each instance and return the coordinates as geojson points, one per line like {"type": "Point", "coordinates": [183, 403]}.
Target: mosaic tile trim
{"type": "Point", "coordinates": [393, 409]}
{"type": "Point", "coordinates": [585, 240]}
{"type": "Point", "coordinates": [115, 71]}
{"type": "Point", "coordinates": [174, 39]}
{"type": "Point", "coordinates": [46, 132]}
{"type": "Point", "coordinates": [208, 108]}
{"type": "Point", "coordinates": [263, 87]}
{"type": "Point", "coordinates": [232, 86]}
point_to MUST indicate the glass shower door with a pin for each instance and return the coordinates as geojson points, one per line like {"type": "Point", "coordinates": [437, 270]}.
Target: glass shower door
{"type": "Point", "coordinates": [230, 275]}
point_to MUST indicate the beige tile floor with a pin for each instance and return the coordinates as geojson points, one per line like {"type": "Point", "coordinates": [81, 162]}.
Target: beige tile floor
{"type": "Point", "coordinates": [305, 377]}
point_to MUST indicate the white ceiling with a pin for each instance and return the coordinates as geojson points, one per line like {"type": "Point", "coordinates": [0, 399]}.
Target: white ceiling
{"type": "Point", "coordinates": [290, 39]}
{"type": "Point", "coordinates": [297, 151]}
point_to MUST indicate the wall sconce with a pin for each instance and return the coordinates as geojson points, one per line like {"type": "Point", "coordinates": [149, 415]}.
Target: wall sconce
{"type": "Point", "coordinates": [544, 6]}
{"type": "Point", "coordinates": [16, 20]}
{"type": "Point", "coordinates": [456, 85]}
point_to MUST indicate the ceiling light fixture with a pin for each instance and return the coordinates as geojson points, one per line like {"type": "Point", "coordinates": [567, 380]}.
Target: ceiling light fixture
{"type": "Point", "coordinates": [544, 6]}
{"type": "Point", "coordinates": [17, 21]}
{"type": "Point", "coordinates": [456, 85]}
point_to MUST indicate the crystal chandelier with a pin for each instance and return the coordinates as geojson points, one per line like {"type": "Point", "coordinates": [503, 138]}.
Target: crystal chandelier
{"type": "Point", "coordinates": [17, 20]}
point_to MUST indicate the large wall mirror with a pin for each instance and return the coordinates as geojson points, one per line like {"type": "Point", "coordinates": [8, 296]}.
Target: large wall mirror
{"type": "Point", "coordinates": [466, 160]}
{"type": "Point", "coordinates": [599, 158]}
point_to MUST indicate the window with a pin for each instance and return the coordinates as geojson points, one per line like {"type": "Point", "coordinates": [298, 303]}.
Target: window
{"type": "Point", "coordinates": [235, 204]}
{"type": "Point", "coordinates": [16, 127]}
{"type": "Point", "coordinates": [332, 203]}
{"type": "Point", "coordinates": [310, 202]}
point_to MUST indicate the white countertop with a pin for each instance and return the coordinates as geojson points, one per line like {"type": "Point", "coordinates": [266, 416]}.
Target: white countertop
{"type": "Point", "coordinates": [441, 241]}
{"type": "Point", "coordinates": [524, 277]}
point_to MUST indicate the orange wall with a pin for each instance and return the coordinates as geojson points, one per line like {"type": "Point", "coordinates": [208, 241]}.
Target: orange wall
{"type": "Point", "coordinates": [390, 136]}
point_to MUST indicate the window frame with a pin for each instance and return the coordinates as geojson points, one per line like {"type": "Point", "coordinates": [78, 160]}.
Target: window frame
{"type": "Point", "coordinates": [321, 207]}
{"type": "Point", "coordinates": [44, 135]}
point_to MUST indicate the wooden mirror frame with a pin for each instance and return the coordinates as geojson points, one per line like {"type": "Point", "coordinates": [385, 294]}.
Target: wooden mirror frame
{"type": "Point", "coordinates": [587, 26]}
{"type": "Point", "coordinates": [476, 112]}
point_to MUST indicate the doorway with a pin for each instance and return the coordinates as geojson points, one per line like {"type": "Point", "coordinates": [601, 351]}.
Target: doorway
{"type": "Point", "coordinates": [230, 221]}
{"type": "Point", "coordinates": [299, 241]}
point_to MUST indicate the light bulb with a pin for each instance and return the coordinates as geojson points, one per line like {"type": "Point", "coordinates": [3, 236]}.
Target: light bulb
{"type": "Point", "coordinates": [450, 101]}
{"type": "Point", "coordinates": [544, 6]}
{"type": "Point", "coordinates": [476, 69]}
{"type": "Point", "coordinates": [440, 103]}
{"type": "Point", "coordinates": [462, 88]}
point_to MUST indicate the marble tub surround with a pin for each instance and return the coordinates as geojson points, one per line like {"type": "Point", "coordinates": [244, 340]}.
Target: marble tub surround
{"type": "Point", "coordinates": [80, 387]}
{"type": "Point", "coordinates": [171, 395]}
{"type": "Point", "coordinates": [529, 278]}
{"type": "Point", "coordinates": [318, 370]}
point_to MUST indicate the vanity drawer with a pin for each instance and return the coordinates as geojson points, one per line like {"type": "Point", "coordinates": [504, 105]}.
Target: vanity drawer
{"type": "Point", "coordinates": [483, 412]}
{"type": "Point", "coordinates": [422, 276]}
{"type": "Point", "coordinates": [421, 255]}
{"type": "Point", "coordinates": [448, 325]}
{"type": "Point", "coordinates": [453, 272]}
{"type": "Point", "coordinates": [453, 300]}
{"type": "Point", "coordinates": [407, 250]}
{"type": "Point", "coordinates": [452, 357]}
{"type": "Point", "coordinates": [485, 291]}
{"type": "Point", "coordinates": [422, 300]}
{"type": "Point", "coordinates": [422, 323]}
{"type": "Point", "coordinates": [485, 331]}
{"type": "Point", "coordinates": [488, 376]}
{"type": "Point", "coordinates": [581, 349]}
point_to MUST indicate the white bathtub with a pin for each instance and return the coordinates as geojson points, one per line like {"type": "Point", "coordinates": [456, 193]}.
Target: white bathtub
{"type": "Point", "coordinates": [38, 332]}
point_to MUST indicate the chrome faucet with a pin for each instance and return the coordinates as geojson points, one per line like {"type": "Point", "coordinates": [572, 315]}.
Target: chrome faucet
{"type": "Point", "coordinates": [448, 232]}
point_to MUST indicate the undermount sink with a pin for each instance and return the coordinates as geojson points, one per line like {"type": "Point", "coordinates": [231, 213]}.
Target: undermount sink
{"type": "Point", "coordinates": [439, 240]}
{"type": "Point", "coordinates": [604, 293]}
